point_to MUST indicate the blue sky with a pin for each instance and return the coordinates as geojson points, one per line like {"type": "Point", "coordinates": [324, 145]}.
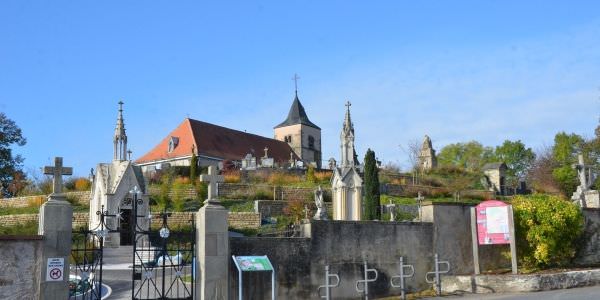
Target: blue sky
{"type": "Point", "coordinates": [455, 70]}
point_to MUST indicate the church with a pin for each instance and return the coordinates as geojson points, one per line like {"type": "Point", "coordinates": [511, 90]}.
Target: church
{"type": "Point", "coordinates": [296, 139]}
{"type": "Point", "coordinates": [113, 185]}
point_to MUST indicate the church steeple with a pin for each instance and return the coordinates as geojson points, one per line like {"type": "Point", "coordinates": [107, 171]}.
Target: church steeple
{"type": "Point", "coordinates": [347, 140]}
{"type": "Point", "coordinates": [120, 138]}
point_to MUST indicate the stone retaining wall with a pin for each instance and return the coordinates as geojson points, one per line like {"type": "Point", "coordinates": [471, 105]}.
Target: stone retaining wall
{"type": "Point", "coordinates": [81, 197]}
{"type": "Point", "coordinates": [80, 219]}
{"type": "Point", "coordinates": [269, 208]}
{"type": "Point", "coordinates": [245, 191]}
{"type": "Point", "coordinates": [430, 191]}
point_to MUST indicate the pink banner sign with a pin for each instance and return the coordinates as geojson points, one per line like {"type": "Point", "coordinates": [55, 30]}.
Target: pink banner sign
{"type": "Point", "coordinates": [492, 222]}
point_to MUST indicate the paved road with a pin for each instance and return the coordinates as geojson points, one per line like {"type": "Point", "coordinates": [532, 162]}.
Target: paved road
{"type": "Point", "coordinates": [585, 293]}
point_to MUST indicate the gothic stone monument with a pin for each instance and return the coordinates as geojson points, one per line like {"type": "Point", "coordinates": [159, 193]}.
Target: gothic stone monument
{"type": "Point", "coordinates": [111, 186]}
{"type": "Point", "coordinates": [346, 184]}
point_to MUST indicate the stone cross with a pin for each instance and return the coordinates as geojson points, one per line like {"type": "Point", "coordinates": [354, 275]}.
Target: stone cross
{"type": "Point", "coordinates": [213, 179]}
{"type": "Point", "coordinates": [348, 104]}
{"type": "Point", "coordinates": [581, 169]}
{"type": "Point", "coordinates": [266, 152]}
{"type": "Point", "coordinates": [57, 172]}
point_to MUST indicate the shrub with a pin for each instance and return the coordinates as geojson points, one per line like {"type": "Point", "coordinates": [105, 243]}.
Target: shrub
{"type": "Point", "coordinates": [547, 229]}
{"type": "Point", "coordinates": [232, 176]}
{"type": "Point", "coordinates": [82, 184]}
{"type": "Point", "coordinates": [284, 179]}
{"type": "Point", "coordinates": [323, 176]}
{"type": "Point", "coordinates": [310, 174]}
{"type": "Point", "coordinates": [295, 210]}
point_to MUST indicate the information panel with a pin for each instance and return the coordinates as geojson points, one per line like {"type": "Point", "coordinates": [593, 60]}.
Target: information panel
{"type": "Point", "coordinates": [492, 223]}
{"type": "Point", "coordinates": [253, 263]}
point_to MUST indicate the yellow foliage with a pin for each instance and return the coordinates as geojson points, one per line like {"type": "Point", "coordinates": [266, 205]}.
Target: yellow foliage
{"type": "Point", "coordinates": [82, 184]}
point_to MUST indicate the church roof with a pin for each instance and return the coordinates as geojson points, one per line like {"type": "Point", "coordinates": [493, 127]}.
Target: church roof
{"type": "Point", "coordinates": [297, 115]}
{"type": "Point", "coordinates": [215, 141]}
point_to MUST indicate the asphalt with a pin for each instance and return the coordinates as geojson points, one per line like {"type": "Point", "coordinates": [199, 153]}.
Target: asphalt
{"type": "Point", "coordinates": [584, 293]}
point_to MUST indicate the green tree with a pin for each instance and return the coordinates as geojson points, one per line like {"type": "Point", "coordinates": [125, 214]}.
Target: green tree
{"type": "Point", "coordinates": [517, 158]}
{"type": "Point", "coordinates": [193, 167]}
{"type": "Point", "coordinates": [371, 187]}
{"type": "Point", "coordinates": [10, 165]}
{"type": "Point", "coordinates": [564, 154]}
{"type": "Point", "coordinates": [470, 156]}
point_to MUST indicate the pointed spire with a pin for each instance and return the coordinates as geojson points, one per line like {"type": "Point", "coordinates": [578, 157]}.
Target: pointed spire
{"type": "Point", "coordinates": [348, 126]}
{"type": "Point", "coordinates": [120, 138]}
{"type": "Point", "coordinates": [297, 115]}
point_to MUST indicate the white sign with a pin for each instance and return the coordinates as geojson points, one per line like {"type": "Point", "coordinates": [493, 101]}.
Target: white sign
{"type": "Point", "coordinates": [497, 219]}
{"type": "Point", "coordinates": [55, 269]}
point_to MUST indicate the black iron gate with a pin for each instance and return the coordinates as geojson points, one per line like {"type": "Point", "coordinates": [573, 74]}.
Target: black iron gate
{"type": "Point", "coordinates": [163, 260]}
{"type": "Point", "coordinates": [85, 278]}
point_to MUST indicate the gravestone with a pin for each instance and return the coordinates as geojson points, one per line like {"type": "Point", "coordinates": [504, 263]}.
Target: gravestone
{"type": "Point", "coordinates": [249, 162]}
{"type": "Point", "coordinates": [55, 220]}
{"type": "Point", "coordinates": [213, 242]}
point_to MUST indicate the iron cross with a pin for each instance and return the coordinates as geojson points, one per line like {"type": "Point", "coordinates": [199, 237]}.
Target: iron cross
{"type": "Point", "coordinates": [57, 172]}
{"type": "Point", "coordinates": [295, 79]}
{"type": "Point", "coordinates": [212, 178]}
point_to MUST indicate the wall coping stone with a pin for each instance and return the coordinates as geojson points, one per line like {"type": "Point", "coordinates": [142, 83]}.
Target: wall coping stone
{"type": "Point", "coordinates": [21, 237]}
{"type": "Point", "coordinates": [484, 284]}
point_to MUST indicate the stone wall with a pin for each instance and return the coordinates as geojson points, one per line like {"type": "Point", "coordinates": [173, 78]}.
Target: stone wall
{"type": "Point", "coordinates": [299, 262]}
{"type": "Point", "coordinates": [80, 219]}
{"type": "Point", "coordinates": [268, 208]}
{"type": "Point", "coordinates": [407, 190]}
{"type": "Point", "coordinates": [245, 191]}
{"type": "Point", "coordinates": [81, 197]}
{"type": "Point", "coordinates": [20, 263]}
{"type": "Point", "coordinates": [589, 254]}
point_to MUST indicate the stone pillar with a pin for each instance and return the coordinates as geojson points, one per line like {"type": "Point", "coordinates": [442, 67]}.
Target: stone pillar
{"type": "Point", "coordinates": [55, 221]}
{"type": "Point", "coordinates": [213, 252]}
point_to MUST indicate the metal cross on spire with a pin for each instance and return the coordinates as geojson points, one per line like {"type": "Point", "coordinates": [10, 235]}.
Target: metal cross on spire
{"type": "Point", "coordinates": [295, 79]}
{"type": "Point", "coordinates": [348, 104]}
{"type": "Point", "coordinates": [57, 171]}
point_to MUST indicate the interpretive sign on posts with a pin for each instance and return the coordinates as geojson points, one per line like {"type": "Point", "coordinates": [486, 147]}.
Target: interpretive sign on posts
{"type": "Point", "coordinates": [254, 264]}
{"type": "Point", "coordinates": [55, 269]}
{"type": "Point", "coordinates": [492, 224]}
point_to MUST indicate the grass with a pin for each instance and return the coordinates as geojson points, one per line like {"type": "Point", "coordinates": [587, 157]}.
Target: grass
{"type": "Point", "coordinates": [27, 228]}
{"type": "Point", "coordinates": [238, 206]}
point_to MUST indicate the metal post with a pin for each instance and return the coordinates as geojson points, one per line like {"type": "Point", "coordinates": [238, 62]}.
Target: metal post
{"type": "Point", "coordinates": [475, 240]}
{"type": "Point", "coordinates": [401, 277]}
{"type": "Point", "coordinates": [273, 284]}
{"type": "Point", "coordinates": [513, 246]}
{"type": "Point", "coordinates": [240, 284]}
{"type": "Point", "coordinates": [366, 280]}
{"type": "Point", "coordinates": [327, 285]}
{"type": "Point", "coordinates": [437, 280]}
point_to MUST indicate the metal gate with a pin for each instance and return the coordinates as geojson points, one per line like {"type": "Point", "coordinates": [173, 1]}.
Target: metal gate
{"type": "Point", "coordinates": [85, 278]}
{"type": "Point", "coordinates": [163, 260]}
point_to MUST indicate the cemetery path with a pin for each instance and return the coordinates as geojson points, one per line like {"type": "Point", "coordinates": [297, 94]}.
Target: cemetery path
{"type": "Point", "coordinates": [117, 271]}
{"type": "Point", "coordinates": [583, 293]}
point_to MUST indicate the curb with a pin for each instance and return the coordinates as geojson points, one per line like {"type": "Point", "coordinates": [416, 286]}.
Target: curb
{"type": "Point", "coordinates": [483, 284]}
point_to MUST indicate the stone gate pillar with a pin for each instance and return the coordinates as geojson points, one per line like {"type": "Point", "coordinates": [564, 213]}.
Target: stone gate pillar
{"type": "Point", "coordinates": [212, 244]}
{"type": "Point", "coordinates": [55, 224]}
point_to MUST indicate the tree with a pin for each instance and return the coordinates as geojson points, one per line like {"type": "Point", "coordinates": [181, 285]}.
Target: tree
{"type": "Point", "coordinates": [470, 156]}
{"type": "Point", "coordinates": [539, 176]}
{"type": "Point", "coordinates": [564, 153]}
{"type": "Point", "coordinates": [10, 165]}
{"type": "Point", "coordinates": [372, 211]}
{"type": "Point", "coordinates": [517, 158]}
{"type": "Point", "coordinates": [193, 167]}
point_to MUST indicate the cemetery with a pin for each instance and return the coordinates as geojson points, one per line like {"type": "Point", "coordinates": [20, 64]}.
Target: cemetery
{"type": "Point", "coordinates": [294, 231]}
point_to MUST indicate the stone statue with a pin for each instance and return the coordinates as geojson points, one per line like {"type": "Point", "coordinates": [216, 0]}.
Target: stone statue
{"type": "Point", "coordinates": [321, 213]}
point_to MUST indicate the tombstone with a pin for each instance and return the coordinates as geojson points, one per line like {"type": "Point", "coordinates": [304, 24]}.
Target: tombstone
{"type": "Point", "coordinates": [249, 162]}
{"type": "Point", "coordinates": [213, 242]}
{"type": "Point", "coordinates": [55, 220]}
{"type": "Point", "coordinates": [332, 163]}
{"type": "Point", "coordinates": [321, 213]}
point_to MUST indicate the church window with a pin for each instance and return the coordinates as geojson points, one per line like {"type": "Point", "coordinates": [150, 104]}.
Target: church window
{"type": "Point", "coordinates": [311, 142]}
{"type": "Point", "coordinates": [173, 142]}
{"type": "Point", "coordinates": [288, 138]}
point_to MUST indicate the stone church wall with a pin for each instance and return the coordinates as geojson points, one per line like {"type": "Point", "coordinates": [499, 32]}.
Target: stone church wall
{"type": "Point", "coordinates": [20, 263]}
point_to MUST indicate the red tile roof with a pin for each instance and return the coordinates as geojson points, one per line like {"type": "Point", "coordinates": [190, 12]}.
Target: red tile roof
{"type": "Point", "coordinates": [216, 141]}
